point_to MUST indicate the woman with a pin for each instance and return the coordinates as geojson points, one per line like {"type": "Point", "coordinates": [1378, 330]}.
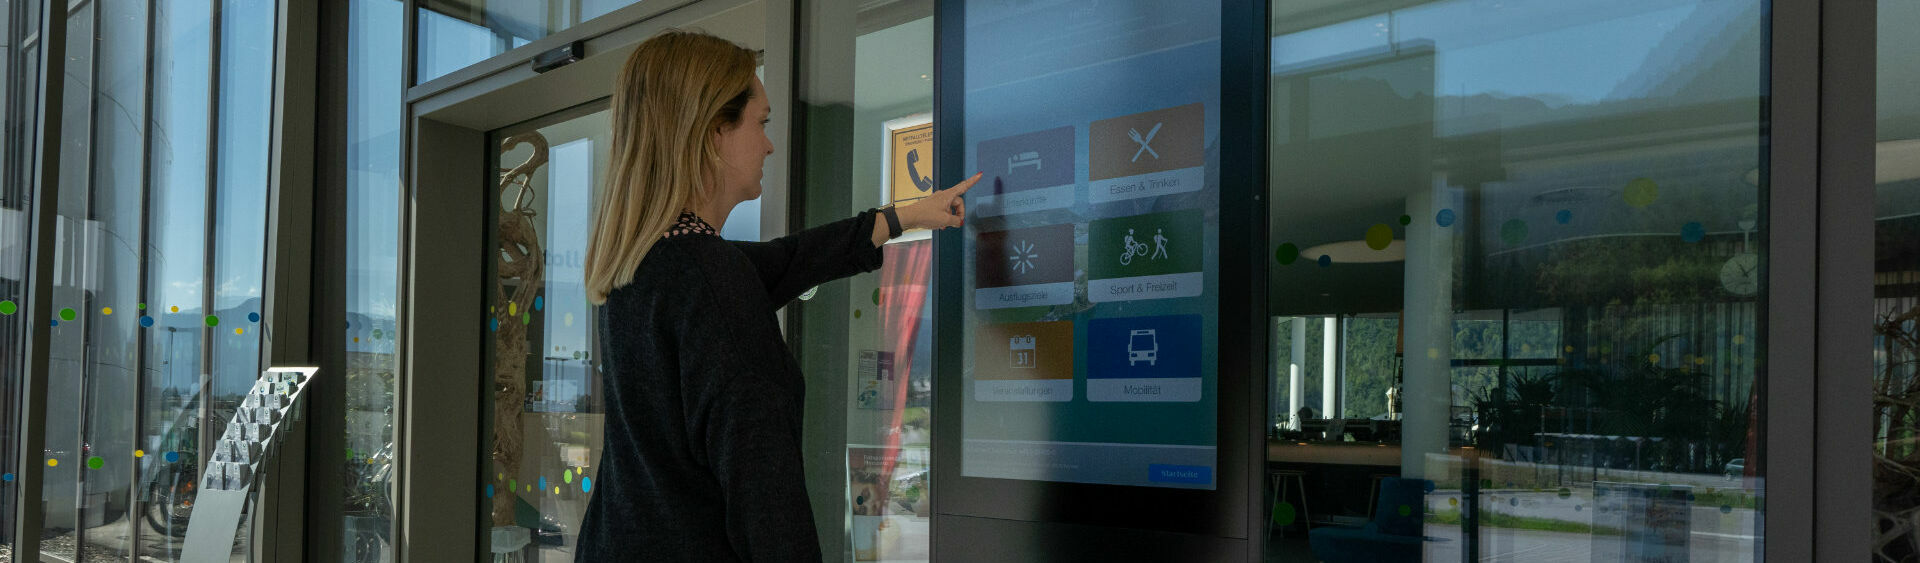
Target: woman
{"type": "Point", "coordinates": [702, 453]}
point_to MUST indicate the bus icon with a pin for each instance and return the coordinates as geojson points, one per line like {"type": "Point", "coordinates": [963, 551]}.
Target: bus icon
{"type": "Point", "coordinates": [1143, 345]}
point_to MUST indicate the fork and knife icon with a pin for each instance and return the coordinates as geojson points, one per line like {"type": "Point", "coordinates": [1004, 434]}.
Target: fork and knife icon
{"type": "Point", "coordinates": [1144, 141]}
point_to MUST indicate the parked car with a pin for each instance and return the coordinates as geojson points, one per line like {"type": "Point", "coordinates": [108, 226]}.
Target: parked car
{"type": "Point", "coordinates": [1736, 468]}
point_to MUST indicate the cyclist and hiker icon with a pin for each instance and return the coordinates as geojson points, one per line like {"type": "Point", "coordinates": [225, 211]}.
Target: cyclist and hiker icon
{"type": "Point", "coordinates": [1136, 248]}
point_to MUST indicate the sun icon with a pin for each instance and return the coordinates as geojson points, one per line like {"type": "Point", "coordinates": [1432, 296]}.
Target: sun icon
{"type": "Point", "coordinates": [1023, 256]}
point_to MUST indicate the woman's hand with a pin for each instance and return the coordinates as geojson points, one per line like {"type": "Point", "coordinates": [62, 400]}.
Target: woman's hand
{"type": "Point", "coordinates": [942, 209]}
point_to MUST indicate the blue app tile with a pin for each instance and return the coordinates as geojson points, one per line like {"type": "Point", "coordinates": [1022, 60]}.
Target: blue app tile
{"type": "Point", "coordinates": [1144, 347]}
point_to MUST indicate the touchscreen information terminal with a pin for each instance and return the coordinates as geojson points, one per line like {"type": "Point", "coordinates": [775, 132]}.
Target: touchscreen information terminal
{"type": "Point", "coordinates": [1091, 247]}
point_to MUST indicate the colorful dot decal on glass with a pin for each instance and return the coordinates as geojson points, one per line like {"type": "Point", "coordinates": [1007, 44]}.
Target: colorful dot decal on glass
{"type": "Point", "coordinates": [526, 318]}
{"type": "Point", "coordinates": [376, 334]}
{"type": "Point", "coordinates": [139, 453]}
{"type": "Point", "coordinates": [146, 321]}
{"type": "Point", "coordinates": [53, 322]}
{"type": "Point", "coordinates": [1406, 220]}
{"type": "Point", "coordinates": [8, 477]}
{"type": "Point", "coordinates": [142, 306]}
{"type": "Point", "coordinates": [1641, 192]}
{"type": "Point", "coordinates": [349, 453]}
{"type": "Point", "coordinates": [856, 313]}
{"type": "Point", "coordinates": [1563, 216]}
{"type": "Point", "coordinates": [876, 296]}
{"type": "Point", "coordinates": [1405, 510]}
{"type": "Point", "coordinates": [253, 317]}
{"type": "Point", "coordinates": [556, 489]}
{"type": "Point", "coordinates": [493, 325]}
{"type": "Point", "coordinates": [53, 462]}
{"type": "Point", "coordinates": [539, 303]}
{"type": "Point", "coordinates": [567, 476]}
{"type": "Point", "coordinates": [489, 490]}
{"type": "Point", "coordinates": [568, 319]}
{"type": "Point", "coordinates": [1513, 232]}
{"type": "Point", "coordinates": [1283, 514]}
{"type": "Point", "coordinates": [213, 320]}
{"type": "Point", "coordinates": [1700, 361]}
{"type": "Point", "coordinates": [513, 308]}
{"type": "Point", "coordinates": [1325, 260]}
{"type": "Point", "coordinates": [513, 484]}
{"type": "Point", "coordinates": [95, 462]}
{"type": "Point", "coordinates": [171, 457]}
{"type": "Point", "coordinates": [499, 476]}
{"type": "Point", "coordinates": [1379, 236]}
{"type": "Point", "coordinates": [239, 331]}
{"type": "Point", "coordinates": [1453, 502]}
{"type": "Point", "coordinates": [1286, 254]}
{"type": "Point", "coordinates": [586, 484]}
{"type": "Point", "coordinates": [176, 308]}
{"type": "Point", "coordinates": [106, 311]}
{"type": "Point", "coordinates": [1653, 358]}
{"type": "Point", "coordinates": [66, 314]}
{"type": "Point", "coordinates": [1693, 232]}
{"type": "Point", "coordinates": [529, 488]}
{"type": "Point", "coordinates": [1511, 501]}
{"type": "Point", "coordinates": [1444, 218]}
{"type": "Point", "coordinates": [543, 481]}
{"type": "Point", "coordinates": [8, 308]}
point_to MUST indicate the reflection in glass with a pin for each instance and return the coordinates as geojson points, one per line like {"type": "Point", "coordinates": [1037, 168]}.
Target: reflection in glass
{"type": "Point", "coordinates": [176, 264]}
{"type": "Point", "coordinates": [1896, 345]}
{"type": "Point", "coordinates": [457, 33]}
{"type": "Point", "coordinates": [544, 420]}
{"type": "Point", "coordinates": [868, 338]}
{"type": "Point", "coordinates": [374, 87]}
{"type": "Point", "coordinates": [1515, 277]}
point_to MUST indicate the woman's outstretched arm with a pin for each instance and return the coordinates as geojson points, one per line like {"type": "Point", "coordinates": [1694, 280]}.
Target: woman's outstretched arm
{"type": "Point", "coordinates": [789, 265]}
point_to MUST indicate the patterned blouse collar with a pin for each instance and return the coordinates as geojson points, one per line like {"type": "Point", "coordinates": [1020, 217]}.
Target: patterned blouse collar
{"type": "Point", "coordinates": [689, 224]}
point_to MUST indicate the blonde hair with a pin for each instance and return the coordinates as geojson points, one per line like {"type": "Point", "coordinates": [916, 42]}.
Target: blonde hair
{"type": "Point", "coordinates": [673, 93]}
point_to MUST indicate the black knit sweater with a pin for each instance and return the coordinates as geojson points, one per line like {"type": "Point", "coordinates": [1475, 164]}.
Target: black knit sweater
{"type": "Point", "coordinates": [702, 458]}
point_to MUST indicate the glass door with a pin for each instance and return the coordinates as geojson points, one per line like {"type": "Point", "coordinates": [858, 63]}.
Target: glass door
{"type": "Point", "coordinates": [543, 420]}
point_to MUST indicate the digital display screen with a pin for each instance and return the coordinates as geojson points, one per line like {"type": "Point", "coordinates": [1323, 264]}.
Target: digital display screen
{"type": "Point", "coordinates": [1091, 248]}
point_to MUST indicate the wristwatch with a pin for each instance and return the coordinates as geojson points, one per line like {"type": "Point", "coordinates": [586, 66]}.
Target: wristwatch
{"type": "Point", "coordinates": [893, 221]}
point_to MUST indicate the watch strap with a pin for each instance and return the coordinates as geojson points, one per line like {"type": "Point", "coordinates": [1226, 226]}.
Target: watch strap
{"type": "Point", "coordinates": [893, 221]}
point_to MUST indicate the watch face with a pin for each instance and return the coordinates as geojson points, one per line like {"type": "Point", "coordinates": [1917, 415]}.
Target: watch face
{"type": "Point", "coordinates": [1741, 274]}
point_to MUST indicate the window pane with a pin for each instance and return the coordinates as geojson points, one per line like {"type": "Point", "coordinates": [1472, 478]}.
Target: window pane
{"type": "Point", "coordinates": [1534, 229]}
{"type": "Point", "coordinates": [544, 422]}
{"type": "Point", "coordinates": [112, 329]}
{"type": "Point", "coordinates": [175, 269]}
{"type": "Point", "coordinates": [457, 33]}
{"type": "Point", "coordinates": [240, 194]}
{"type": "Point", "coordinates": [1896, 345]}
{"type": "Point", "coordinates": [868, 338]}
{"type": "Point", "coordinates": [15, 185]}
{"type": "Point", "coordinates": [176, 266]}
{"type": "Point", "coordinates": [73, 305]}
{"type": "Point", "coordinates": [373, 237]}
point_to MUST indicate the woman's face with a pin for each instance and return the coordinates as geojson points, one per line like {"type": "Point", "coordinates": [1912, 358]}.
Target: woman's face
{"type": "Point", "coordinates": [744, 147]}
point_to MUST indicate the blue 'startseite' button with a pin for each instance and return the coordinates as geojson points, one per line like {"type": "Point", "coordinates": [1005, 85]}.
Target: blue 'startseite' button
{"type": "Point", "coordinates": [1192, 474]}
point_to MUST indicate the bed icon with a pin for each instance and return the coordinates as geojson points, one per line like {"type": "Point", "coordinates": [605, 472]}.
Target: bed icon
{"type": "Point", "coordinates": [1029, 158]}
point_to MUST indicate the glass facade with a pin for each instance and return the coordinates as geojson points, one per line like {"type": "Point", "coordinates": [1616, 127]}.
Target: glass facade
{"type": "Point", "coordinates": [865, 342]}
{"type": "Point", "coordinates": [457, 33]}
{"type": "Point", "coordinates": [159, 256]}
{"type": "Point", "coordinates": [1516, 263]}
{"type": "Point", "coordinates": [1516, 280]}
{"type": "Point", "coordinates": [1896, 286]}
